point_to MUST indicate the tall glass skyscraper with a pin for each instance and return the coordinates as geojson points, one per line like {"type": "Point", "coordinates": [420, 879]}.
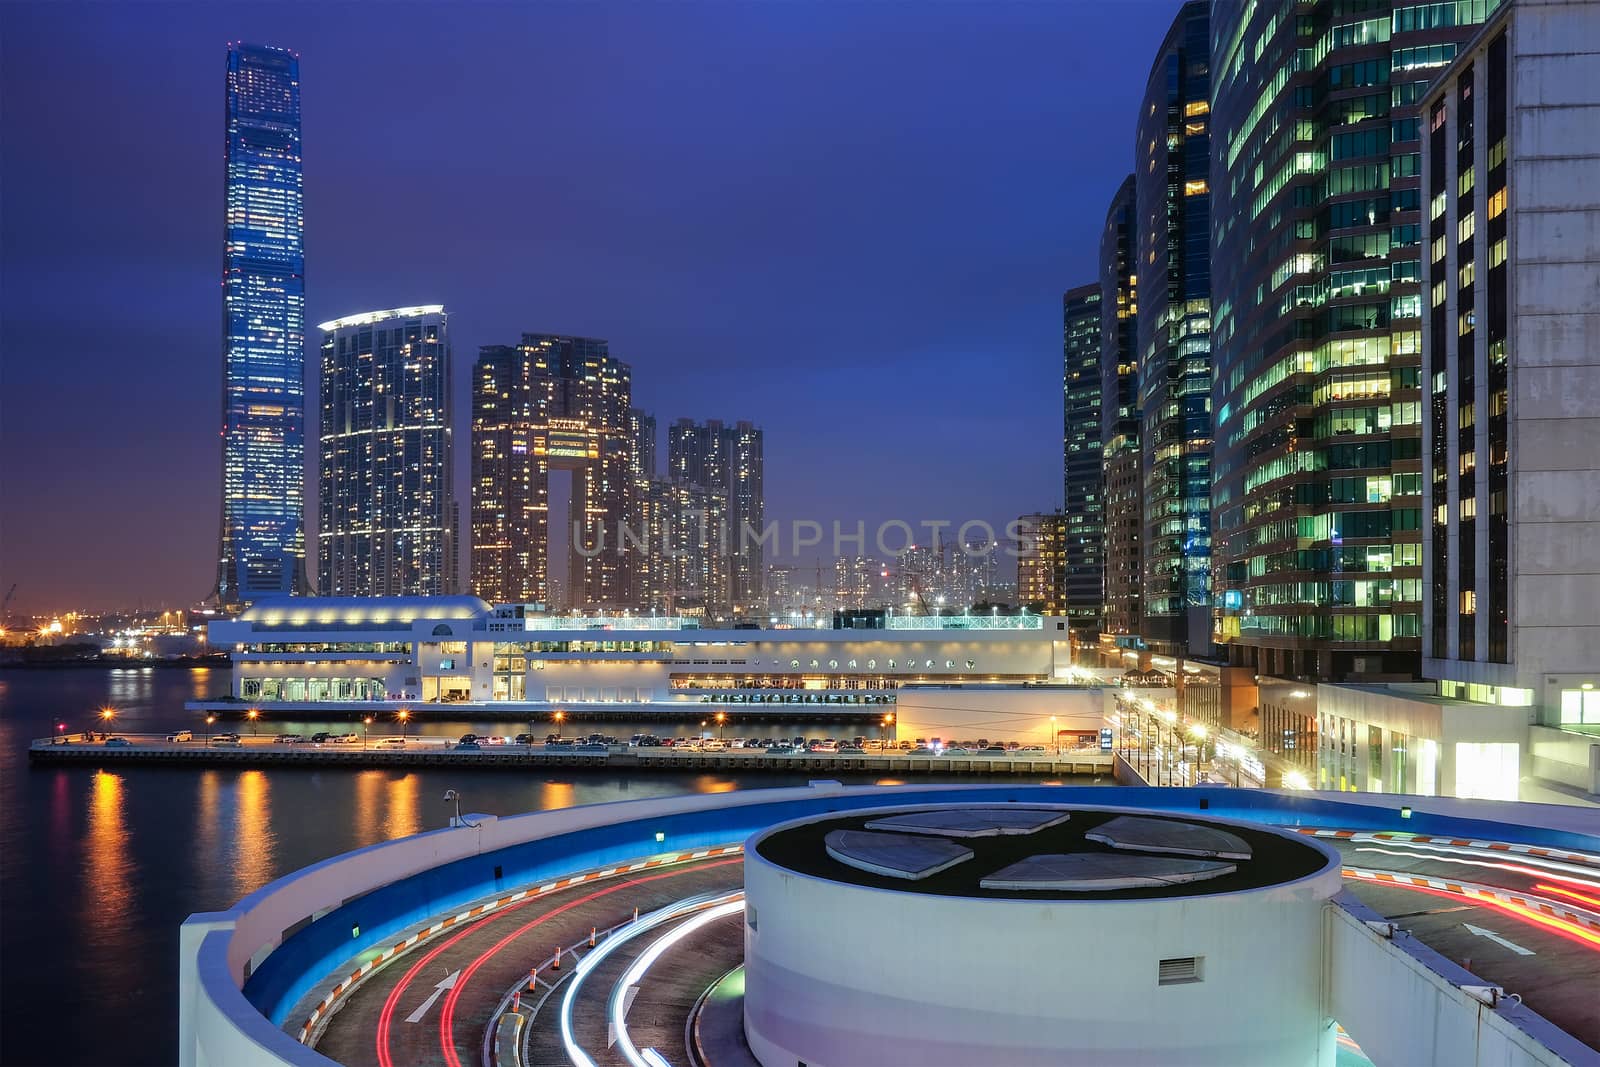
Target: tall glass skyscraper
{"type": "Point", "coordinates": [1317, 332]}
{"type": "Point", "coordinates": [1084, 538]}
{"type": "Point", "coordinates": [1172, 164]}
{"type": "Point", "coordinates": [1119, 413]}
{"type": "Point", "coordinates": [262, 551]}
{"type": "Point", "coordinates": [387, 522]}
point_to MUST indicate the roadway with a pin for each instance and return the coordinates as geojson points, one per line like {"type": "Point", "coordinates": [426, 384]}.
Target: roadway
{"type": "Point", "coordinates": [1552, 961]}
{"type": "Point", "coordinates": [433, 1005]}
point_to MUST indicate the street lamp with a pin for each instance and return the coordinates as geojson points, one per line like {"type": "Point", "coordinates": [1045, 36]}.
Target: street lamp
{"type": "Point", "coordinates": [560, 716]}
{"type": "Point", "coordinates": [1198, 732]}
{"type": "Point", "coordinates": [252, 715]}
{"type": "Point", "coordinates": [209, 720]}
{"type": "Point", "coordinates": [405, 717]}
{"type": "Point", "coordinates": [106, 715]}
{"type": "Point", "coordinates": [722, 718]}
{"type": "Point", "coordinates": [366, 732]}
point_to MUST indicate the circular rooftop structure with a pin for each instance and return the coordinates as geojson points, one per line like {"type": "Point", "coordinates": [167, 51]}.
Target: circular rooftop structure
{"type": "Point", "coordinates": [1033, 852]}
{"type": "Point", "coordinates": [1033, 934]}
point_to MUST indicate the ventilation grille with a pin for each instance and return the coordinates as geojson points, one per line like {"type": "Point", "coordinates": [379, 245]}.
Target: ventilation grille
{"type": "Point", "coordinates": [1178, 971]}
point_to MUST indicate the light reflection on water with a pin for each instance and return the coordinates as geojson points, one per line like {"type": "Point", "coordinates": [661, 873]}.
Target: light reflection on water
{"type": "Point", "coordinates": [98, 869]}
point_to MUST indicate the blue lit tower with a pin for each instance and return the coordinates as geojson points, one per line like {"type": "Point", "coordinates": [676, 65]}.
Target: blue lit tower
{"type": "Point", "coordinates": [263, 361]}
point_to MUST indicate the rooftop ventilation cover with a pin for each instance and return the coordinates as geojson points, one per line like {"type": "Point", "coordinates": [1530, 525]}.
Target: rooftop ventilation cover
{"type": "Point", "coordinates": [1179, 971]}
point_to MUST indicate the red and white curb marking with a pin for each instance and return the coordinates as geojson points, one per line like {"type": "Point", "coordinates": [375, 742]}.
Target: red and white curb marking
{"type": "Point", "coordinates": [1587, 919]}
{"type": "Point", "coordinates": [1456, 842]}
{"type": "Point", "coordinates": [355, 977]}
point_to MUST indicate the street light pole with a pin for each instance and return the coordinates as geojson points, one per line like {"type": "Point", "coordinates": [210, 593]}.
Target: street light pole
{"type": "Point", "coordinates": [366, 732]}
{"type": "Point", "coordinates": [252, 715]}
{"type": "Point", "coordinates": [209, 720]}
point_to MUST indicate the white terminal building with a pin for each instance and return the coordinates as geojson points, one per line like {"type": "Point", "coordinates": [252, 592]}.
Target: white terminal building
{"type": "Point", "coordinates": [999, 676]}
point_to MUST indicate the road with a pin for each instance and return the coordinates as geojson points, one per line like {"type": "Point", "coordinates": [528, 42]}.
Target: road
{"type": "Point", "coordinates": [399, 1016]}
{"type": "Point", "coordinates": [1553, 962]}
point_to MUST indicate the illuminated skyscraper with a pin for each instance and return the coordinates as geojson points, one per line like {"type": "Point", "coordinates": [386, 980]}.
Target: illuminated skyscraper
{"type": "Point", "coordinates": [262, 549]}
{"type": "Point", "coordinates": [1317, 241]}
{"type": "Point", "coordinates": [386, 522]}
{"type": "Point", "coordinates": [1085, 470]}
{"type": "Point", "coordinates": [1172, 163]}
{"type": "Point", "coordinates": [728, 460]}
{"type": "Point", "coordinates": [551, 402]}
{"type": "Point", "coordinates": [1119, 414]}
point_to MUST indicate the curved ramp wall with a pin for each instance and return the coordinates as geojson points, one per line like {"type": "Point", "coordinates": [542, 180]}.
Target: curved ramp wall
{"type": "Point", "coordinates": [242, 970]}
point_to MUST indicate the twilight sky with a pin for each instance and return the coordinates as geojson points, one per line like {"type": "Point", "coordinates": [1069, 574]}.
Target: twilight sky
{"type": "Point", "coordinates": [849, 222]}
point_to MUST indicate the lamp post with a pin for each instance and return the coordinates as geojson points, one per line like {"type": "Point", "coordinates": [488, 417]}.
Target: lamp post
{"type": "Point", "coordinates": [722, 719]}
{"type": "Point", "coordinates": [1198, 732]}
{"type": "Point", "coordinates": [888, 725]}
{"type": "Point", "coordinates": [404, 716]}
{"type": "Point", "coordinates": [253, 715]}
{"type": "Point", "coordinates": [210, 720]}
{"type": "Point", "coordinates": [366, 732]}
{"type": "Point", "coordinates": [560, 717]}
{"type": "Point", "coordinates": [1055, 735]}
{"type": "Point", "coordinates": [106, 716]}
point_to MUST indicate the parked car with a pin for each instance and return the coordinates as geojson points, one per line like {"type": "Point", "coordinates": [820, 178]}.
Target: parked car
{"type": "Point", "coordinates": [782, 748]}
{"type": "Point", "coordinates": [494, 740]}
{"type": "Point", "coordinates": [392, 742]}
{"type": "Point", "coordinates": [852, 750]}
{"type": "Point", "coordinates": [995, 750]}
{"type": "Point", "coordinates": [591, 748]}
{"type": "Point", "coordinates": [346, 739]}
{"type": "Point", "coordinates": [118, 742]}
{"type": "Point", "coordinates": [467, 737]}
{"type": "Point", "coordinates": [319, 737]}
{"type": "Point", "coordinates": [524, 739]}
{"type": "Point", "coordinates": [1032, 750]}
{"type": "Point", "coordinates": [956, 750]}
{"type": "Point", "coordinates": [288, 739]}
{"type": "Point", "coordinates": [713, 745]}
{"type": "Point", "coordinates": [923, 750]}
{"type": "Point", "coordinates": [465, 745]}
{"type": "Point", "coordinates": [225, 742]}
{"type": "Point", "coordinates": [181, 735]}
{"type": "Point", "coordinates": [827, 745]}
{"type": "Point", "coordinates": [649, 741]}
{"type": "Point", "coordinates": [225, 737]}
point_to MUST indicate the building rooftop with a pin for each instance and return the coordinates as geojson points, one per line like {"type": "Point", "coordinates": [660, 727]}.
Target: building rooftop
{"type": "Point", "coordinates": [1040, 853]}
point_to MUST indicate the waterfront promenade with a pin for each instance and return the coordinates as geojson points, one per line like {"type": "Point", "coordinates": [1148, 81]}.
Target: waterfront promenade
{"type": "Point", "coordinates": [434, 751]}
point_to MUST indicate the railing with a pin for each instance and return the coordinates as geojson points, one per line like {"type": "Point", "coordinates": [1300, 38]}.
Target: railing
{"type": "Point", "coordinates": [964, 622]}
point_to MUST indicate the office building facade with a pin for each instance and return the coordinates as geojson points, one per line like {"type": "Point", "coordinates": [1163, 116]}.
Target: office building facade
{"type": "Point", "coordinates": [386, 492]}
{"type": "Point", "coordinates": [1082, 460]}
{"type": "Point", "coordinates": [1119, 415]}
{"type": "Point", "coordinates": [1041, 562]}
{"type": "Point", "coordinates": [262, 537]}
{"type": "Point", "coordinates": [1172, 192]}
{"type": "Point", "coordinates": [551, 402]}
{"type": "Point", "coordinates": [1317, 330]}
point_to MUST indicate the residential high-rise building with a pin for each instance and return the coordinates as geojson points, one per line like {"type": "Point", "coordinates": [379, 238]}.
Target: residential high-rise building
{"type": "Point", "coordinates": [552, 402]}
{"type": "Point", "coordinates": [1317, 331]}
{"type": "Point", "coordinates": [1041, 562]}
{"type": "Point", "coordinates": [386, 520]}
{"type": "Point", "coordinates": [728, 460]}
{"type": "Point", "coordinates": [1119, 414]}
{"type": "Point", "coordinates": [642, 440]}
{"type": "Point", "coordinates": [1511, 342]}
{"type": "Point", "coordinates": [1172, 173]}
{"type": "Point", "coordinates": [855, 583]}
{"type": "Point", "coordinates": [262, 540]}
{"type": "Point", "coordinates": [1084, 461]}
{"type": "Point", "coordinates": [689, 571]}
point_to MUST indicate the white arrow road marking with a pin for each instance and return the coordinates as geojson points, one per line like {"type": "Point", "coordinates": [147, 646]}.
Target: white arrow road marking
{"type": "Point", "coordinates": [447, 982]}
{"type": "Point", "coordinates": [1497, 939]}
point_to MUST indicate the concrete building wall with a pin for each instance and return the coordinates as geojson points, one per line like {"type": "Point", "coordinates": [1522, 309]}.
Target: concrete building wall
{"type": "Point", "coordinates": [954, 981]}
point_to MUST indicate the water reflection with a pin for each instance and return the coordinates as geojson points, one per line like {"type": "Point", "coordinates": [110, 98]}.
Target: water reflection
{"type": "Point", "coordinates": [405, 811]}
{"type": "Point", "coordinates": [254, 841]}
{"type": "Point", "coordinates": [108, 866]}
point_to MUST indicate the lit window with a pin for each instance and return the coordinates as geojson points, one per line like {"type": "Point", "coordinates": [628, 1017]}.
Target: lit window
{"type": "Point", "coordinates": [1196, 107]}
{"type": "Point", "coordinates": [1497, 203]}
{"type": "Point", "coordinates": [1195, 188]}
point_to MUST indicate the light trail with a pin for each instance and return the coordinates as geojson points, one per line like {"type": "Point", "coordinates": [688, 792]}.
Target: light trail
{"type": "Point", "coordinates": [447, 1015]}
{"type": "Point", "coordinates": [1557, 926]}
{"type": "Point", "coordinates": [646, 923]}
{"type": "Point", "coordinates": [1591, 901]}
{"type": "Point", "coordinates": [636, 972]}
{"type": "Point", "coordinates": [1515, 867]}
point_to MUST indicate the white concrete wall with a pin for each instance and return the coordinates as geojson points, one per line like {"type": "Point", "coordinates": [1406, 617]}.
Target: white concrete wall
{"type": "Point", "coordinates": [1566, 757]}
{"type": "Point", "coordinates": [839, 975]}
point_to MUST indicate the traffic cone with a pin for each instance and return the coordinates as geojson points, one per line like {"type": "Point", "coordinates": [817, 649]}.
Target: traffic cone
{"type": "Point", "coordinates": [556, 963]}
{"type": "Point", "coordinates": [591, 936]}
{"type": "Point", "coordinates": [533, 979]}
